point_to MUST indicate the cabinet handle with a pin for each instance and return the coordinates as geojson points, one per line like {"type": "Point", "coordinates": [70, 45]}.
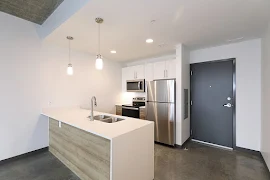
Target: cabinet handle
{"type": "Point", "coordinates": [164, 74]}
{"type": "Point", "coordinates": [136, 75]}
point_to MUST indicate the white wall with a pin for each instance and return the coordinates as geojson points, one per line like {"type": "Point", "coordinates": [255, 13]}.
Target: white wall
{"type": "Point", "coordinates": [182, 82]}
{"type": "Point", "coordinates": [265, 142]}
{"type": "Point", "coordinates": [33, 74]}
{"type": "Point", "coordinates": [248, 87]}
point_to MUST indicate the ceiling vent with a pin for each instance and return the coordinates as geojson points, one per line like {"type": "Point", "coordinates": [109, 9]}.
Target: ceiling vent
{"type": "Point", "coordinates": [162, 45]}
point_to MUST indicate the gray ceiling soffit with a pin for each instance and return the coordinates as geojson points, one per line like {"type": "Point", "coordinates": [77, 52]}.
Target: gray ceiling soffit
{"type": "Point", "coordinates": [36, 11]}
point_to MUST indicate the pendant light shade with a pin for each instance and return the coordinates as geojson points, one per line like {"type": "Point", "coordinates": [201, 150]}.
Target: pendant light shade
{"type": "Point", "coordinates": [69, 68]}
{"type": "Point", "coordinates": [99, 61]}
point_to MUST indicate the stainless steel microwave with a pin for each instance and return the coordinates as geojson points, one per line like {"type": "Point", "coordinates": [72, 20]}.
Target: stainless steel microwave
{"type": "Point", "coordinates": [137, 85]}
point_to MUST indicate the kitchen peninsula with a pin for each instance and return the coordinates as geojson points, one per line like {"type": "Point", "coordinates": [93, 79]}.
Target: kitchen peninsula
{"type": "Point", "coordinates": [96, 150]}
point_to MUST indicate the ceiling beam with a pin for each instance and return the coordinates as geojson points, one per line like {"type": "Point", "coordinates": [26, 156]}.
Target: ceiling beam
{"type": "Point", "coordinates": [59, 16]}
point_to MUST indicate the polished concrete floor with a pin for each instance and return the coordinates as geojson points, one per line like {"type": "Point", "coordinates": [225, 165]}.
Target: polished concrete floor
{"type": "Point", "coordinates": [197, 163]}
{"type": "Point", "coordinates": [201, 162]}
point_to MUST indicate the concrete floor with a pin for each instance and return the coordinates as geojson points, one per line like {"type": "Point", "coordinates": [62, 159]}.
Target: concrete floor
{"type": "Point", "coordinates": [197, 163]}
{"type": "Point", "coordinates": [201, 162]}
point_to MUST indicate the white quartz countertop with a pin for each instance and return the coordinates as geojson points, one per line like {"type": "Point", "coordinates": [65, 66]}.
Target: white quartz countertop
{"type": "Point", "coordinates": [78, 118]}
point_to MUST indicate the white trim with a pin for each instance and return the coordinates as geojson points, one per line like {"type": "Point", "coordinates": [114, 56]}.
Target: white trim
{"type": "Point", "coordinates": [111, 159]}
{"type": "Point", "coordinates": [214, 145]}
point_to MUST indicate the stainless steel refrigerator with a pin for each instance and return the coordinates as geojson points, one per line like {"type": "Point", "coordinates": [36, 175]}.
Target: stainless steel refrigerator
{"type": "Point", "coordinates": [161, 109]}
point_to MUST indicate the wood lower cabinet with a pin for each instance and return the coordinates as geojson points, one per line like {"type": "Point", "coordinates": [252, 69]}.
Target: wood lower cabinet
{"type": "Point", "coordinates": [142, 113]}
{"type": "Point", "coordinates": [118, 110]}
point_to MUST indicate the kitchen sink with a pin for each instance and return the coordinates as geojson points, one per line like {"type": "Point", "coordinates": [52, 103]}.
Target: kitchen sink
{"type": "Point", "coordinates": [107, 119]}
{"type": "Point", "coordinates": [101, 117]}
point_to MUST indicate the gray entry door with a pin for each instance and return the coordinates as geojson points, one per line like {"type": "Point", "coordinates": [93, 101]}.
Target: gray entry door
{"type": "Point", "coordinates": [212, 102]}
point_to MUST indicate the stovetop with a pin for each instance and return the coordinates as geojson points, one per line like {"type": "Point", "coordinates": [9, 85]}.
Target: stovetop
{"type": "Point", "coordinates": [136, 103]}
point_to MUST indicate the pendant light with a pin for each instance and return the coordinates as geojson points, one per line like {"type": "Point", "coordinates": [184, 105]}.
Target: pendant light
{"type": "Point", "coordinates": [69, 68]}
{"type": "Point", "coordinates": [99, 61]}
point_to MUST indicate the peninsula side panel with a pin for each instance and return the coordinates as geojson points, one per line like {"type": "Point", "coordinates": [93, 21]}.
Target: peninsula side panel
{"type": "Point", "coordinates": [86, 154]}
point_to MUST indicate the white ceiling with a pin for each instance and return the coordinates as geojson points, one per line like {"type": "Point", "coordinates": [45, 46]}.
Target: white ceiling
{"type": "Point", "coordinates": [195, 23]}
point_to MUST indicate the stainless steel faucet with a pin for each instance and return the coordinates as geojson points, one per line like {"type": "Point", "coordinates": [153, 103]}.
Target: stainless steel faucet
{"type": "Point", "coordinates": [93, 101]}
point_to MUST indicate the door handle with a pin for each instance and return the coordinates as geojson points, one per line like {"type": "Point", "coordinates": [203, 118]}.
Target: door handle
{"type": "Point", "coordinates": [228, 105]}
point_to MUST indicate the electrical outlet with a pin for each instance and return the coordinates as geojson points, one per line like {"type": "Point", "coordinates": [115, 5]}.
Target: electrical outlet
{"type": "Point", "coordinates": [49, 103]}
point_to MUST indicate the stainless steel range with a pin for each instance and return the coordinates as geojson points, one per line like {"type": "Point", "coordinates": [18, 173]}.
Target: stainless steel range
{"type": "Point", "coordinates": [133, 110]}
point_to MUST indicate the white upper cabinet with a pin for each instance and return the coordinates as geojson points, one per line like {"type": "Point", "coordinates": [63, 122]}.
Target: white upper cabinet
{"type": "Point", "coordinates": [160, 70]}
{"type": "Point", "coordinates": [133, 72]}
{"type": "Point", "coordinates": [165, 69]}
{"type": "Point", "coordinates": [125, 76]}
{"type": "Point", "coordinates": [149, 73]}
{"type": "Point", "coordinates": [139, 72]}
{"type": "Point", "coordinates": [128, 73]}
{"type": "Point", "coordinates": [171, 69]}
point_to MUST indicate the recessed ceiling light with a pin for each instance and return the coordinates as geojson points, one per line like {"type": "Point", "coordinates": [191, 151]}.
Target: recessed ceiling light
{"type": "Point", "coordinates": [113, 51]}
{"type": "Point", "coordinates": [149, 41]}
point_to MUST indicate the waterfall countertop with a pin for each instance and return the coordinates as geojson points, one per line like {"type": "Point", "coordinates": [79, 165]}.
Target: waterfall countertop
{"type": "Point", "coordinates": [78, 118]}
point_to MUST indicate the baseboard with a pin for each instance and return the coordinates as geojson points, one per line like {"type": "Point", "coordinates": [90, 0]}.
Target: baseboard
{"type": "Point", "coordinates": [24, 155]}
{"type": "Point", "coordinates": [183, 145]}
{"type": "Point", "coordinates": [254, 152]}
{"type": "Point", "coordinates": [265, 165]}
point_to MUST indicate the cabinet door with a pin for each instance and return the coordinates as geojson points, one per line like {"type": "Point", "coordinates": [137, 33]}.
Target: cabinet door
{"type": "Point", "coordinates": [129, 73]}
{"type": "Point", "coordinates": [149, 74]}
{"type": "Point", "coordinates": [139, 72]}
{"type": "Point", "coordinates": [171, 69]}
{"type": "Point", "coordinates": [118, 110]}
{"type": "Point", "coordinates": [124, 78]}
{"type": "Point", "coordinates": [159, 70]}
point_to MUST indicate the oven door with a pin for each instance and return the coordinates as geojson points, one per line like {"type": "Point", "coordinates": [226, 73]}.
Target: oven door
{"type": "Point", "coordinates": [130, 112]}
{"type": "Point", "coordinates": [136, 85]}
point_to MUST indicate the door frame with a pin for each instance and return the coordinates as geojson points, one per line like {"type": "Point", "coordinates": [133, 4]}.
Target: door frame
{"type": "Point", "coordinates": [234, 94]}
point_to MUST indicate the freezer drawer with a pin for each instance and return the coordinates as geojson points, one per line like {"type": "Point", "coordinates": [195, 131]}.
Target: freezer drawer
{"type": "Point", "coordinates": [163, 114]}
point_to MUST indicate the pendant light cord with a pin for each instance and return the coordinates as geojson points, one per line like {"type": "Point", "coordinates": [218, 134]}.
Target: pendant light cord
{"type": "Point", "coordinates": [69, 51]}
{"type": "Point", "coordinates": [99, 38]}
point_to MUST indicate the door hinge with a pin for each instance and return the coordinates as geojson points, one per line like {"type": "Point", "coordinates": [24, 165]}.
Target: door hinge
{"type": "Point", "coordinates": [191, 73]}
{"type": "Point", "coordinates": [191, 103]}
